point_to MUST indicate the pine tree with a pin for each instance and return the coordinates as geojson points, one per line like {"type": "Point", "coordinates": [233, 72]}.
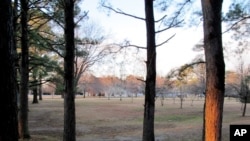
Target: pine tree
{"type": "Point", "coordinates": [23, 114]}
{"type": "Point", "coordinates": [215, 69]}
{"type": "Point", "coordinates": [69, 97]}
{"type": "Point", "coordinates": [8, 89]}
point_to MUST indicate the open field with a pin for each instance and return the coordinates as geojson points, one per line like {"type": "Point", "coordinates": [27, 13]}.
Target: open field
{"type": "Point", "coordinates": [100, 119]}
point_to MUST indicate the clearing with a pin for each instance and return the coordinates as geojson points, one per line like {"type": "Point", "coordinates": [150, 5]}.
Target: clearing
{"type": "Point", "coordinates": [100, 119]}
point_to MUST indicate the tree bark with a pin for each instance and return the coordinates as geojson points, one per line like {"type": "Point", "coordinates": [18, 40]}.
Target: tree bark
{"type": "Point", "coordinates": [203, 125]}
{"type": "Point", "coordinates": [35, 99]}
{"type": "Point", "coordinates": [8, 99]}
{"type": "Point", "coordinates": [215, 69]}
{"type": "Point", "coordinates": [69, 101]}
{"type": "Point", "coordinates": [40, 88]}
{"type": "Point", "coordinates": [245, 106]}
{"type": "Point", "coordinates": [149, 109]}
{"type": "Point", "coordinates": [182, 99]}
{"type": "Point", "coordinates": [35, 94]}
{"type": "Point", "coordinates": [23, 114]}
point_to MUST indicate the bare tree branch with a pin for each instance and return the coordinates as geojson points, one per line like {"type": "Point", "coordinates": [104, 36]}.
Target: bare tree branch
{"type": "Point", "coordinates": [118, 11]}
{"type": "Point", "coordinates": [37, 84]}
{"type": "Point", "coordinates": [127, 44]}
{"type": "Point", "coordinates": [51, 18]}
{"type": "Point", "coordinates": [136, 46]}
{"type": "Point", "coordinates": [140, 80]}
{"type": "Point", "coordinates": [162, 18]}
{"type": "Point", "coordinates": [81, 17]}
{"type": "Point", "coordinates": [174, 22]}
{"type": "Point", "coordinates": [165, 41]}
{"type": "Point", "coordinates": [237, 22]}
{"type": "Point", "coordinates": [171, 25]}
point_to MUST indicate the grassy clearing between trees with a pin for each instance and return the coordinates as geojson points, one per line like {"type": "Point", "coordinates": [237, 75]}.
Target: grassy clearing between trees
{"type": "Point", "coordinates": [100, 119]}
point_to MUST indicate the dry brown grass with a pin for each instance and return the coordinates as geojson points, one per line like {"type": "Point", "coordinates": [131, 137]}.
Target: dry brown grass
{"type": "Point", "coordinates": [101, 119]}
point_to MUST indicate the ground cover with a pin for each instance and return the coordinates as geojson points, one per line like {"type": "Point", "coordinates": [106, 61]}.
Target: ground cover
{"type": "Point", "coordinates": [100, 119]}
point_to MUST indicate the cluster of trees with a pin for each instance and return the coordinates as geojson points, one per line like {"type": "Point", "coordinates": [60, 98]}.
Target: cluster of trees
{"type": "Point", "coordinates": [111, 86]}
{"type": "Point", "coordinates": [33, 53]}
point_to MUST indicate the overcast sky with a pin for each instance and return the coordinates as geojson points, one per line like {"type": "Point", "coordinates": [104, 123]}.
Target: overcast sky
{"type": "Point", "coordinates": [176, 52]}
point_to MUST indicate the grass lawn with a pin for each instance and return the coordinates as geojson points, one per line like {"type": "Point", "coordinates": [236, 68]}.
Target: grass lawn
{"type": "Point", "coordinates": [100, 119]}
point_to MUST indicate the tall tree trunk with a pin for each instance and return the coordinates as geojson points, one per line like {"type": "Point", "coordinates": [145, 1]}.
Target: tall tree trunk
{"type": "Point", "coordinates": [40, 88]}
{"type": "Point", "coordinates": [17, 66]}
{"type": "Point", "coordinates": [34, 89]}
{"type": "Point", "coordinates": [69, 101]}
{"type": "Point", "coordinates": [245, 106]}
{"type": "Point", "coordinates": [182, 99]}
{"type": "Point", "coordinates": [149, 109]}
{"type": "Point", "coordinates": [23, 114]}
{"type": "Point", "coordinates": [35, 99]}
{"type": "Point", "coordinates": [8, 103]}
{"type": "Point", "coordinates": [215, 69]}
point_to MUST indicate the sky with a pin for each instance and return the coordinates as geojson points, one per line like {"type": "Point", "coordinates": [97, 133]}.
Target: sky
{"type": "Point", "coordinates": [176, 52]}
